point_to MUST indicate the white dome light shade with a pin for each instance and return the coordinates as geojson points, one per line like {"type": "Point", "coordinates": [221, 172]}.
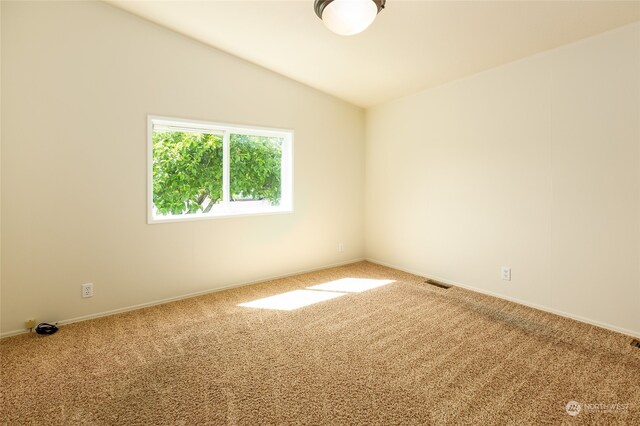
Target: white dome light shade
{"type": "Point", "coordinates": [349, 17]}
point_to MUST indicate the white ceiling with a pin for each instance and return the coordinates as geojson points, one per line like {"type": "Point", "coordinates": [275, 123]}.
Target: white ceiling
{"type": "Point", "coordinates": [411, 46]}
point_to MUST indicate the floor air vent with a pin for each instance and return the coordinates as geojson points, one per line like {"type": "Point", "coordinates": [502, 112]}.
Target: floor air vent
{"type": "Point", "coordinates": [438, 284]}
{"type": "Point", "coordinates": [635, 343]}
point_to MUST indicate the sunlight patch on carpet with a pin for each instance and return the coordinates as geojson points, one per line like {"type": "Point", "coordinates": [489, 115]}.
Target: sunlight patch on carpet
{"type": "Point", "coordinates": [318, 293]}
{"type": "Point", "coordinates": [292, 300]}
{"type": "Point", "coordinates": [351, 285]}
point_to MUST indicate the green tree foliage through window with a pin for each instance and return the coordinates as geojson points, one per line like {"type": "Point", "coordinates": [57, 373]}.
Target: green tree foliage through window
{"type": "Point", "coordinates": [255, 168]}
{"type": "Point", "coordinates": [188, 170]}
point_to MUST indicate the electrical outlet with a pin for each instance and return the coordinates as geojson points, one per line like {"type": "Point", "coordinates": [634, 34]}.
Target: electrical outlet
{"type": "Point", "coordinates": [31, 323]}
{"type": "Point", "coordinates": [506, 273]}
{"type": "Point", "coordinates": [87, 290]}
{"type": "Point", "coordinates": [340, 247]}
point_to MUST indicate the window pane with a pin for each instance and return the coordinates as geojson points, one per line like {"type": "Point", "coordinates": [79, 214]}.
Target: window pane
{"type": "Point", "coordinates": [255, 169]}
{"type": "Point", "coordinates": [187, 172]}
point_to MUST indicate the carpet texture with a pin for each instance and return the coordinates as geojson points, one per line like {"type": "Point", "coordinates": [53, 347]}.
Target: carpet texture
{"type": "Point", "coordinates": [403, 353]}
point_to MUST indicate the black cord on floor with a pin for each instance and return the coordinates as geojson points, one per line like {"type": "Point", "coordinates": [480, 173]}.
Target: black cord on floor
{"type": "Point", "coordinates": [46, 328]}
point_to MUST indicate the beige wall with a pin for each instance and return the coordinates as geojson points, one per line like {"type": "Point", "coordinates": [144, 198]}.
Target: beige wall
{"type": "Point", "coordinates": [0, 162]}
{"type": "Point", "coordinates": [534, 165]}
{"type": "Point", "coordinates": [78, 80]}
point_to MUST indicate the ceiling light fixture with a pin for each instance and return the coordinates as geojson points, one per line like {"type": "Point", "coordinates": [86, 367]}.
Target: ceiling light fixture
{"type": "Point", "coordinates": [348, 17]}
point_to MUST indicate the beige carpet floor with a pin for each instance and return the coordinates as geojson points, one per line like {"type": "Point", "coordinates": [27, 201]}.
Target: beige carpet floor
{"type": "Point", "coordinates": [404, 353]}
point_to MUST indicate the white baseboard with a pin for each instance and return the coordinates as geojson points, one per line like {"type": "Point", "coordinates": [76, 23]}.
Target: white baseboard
{"type": "Point", "coordinates": [185, 296]}
{"type": "Point", "coordinates": [600, 324]}
{"type": "Point", "coordinates": [617, 329]}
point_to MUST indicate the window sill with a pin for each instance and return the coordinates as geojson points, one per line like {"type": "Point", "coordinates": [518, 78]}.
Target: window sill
{"type": "Point", "coordinates": [154, 220]}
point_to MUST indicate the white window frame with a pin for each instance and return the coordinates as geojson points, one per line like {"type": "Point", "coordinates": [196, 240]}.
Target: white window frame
{"type": "Point", "coordinates": [228, 208]}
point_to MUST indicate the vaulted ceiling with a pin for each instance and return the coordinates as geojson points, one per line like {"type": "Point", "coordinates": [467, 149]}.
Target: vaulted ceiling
{"type": "Point", "coordinates": [412, 45]}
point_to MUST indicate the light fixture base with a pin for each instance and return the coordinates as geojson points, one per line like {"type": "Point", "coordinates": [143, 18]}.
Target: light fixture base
{"type": "Point", "coordinates": [319, 5]}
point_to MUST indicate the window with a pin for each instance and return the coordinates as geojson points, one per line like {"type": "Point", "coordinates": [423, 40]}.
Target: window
{"type": "Point", "coordinates": [203, 170]}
